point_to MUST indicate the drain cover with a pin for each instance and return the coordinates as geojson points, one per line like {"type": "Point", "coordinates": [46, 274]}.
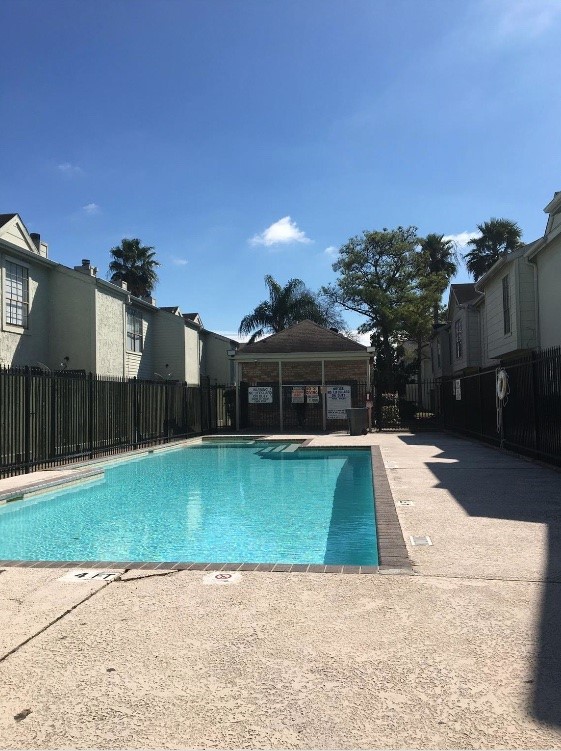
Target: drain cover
{"type": "Point", "coordinates": [405, 503]}
{"type": "Point", "coordinates": [222, 577]}
{"type": "Point", "coordinates": [420, 540]}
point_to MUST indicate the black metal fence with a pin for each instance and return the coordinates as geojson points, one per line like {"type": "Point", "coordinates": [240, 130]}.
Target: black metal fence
{"type": "Point", "coordinates": [527, 420]}
{"type": "Point", "coordinates": [49, 419]}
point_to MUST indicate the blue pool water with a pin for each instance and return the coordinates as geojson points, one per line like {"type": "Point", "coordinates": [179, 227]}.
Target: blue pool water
{"type": "Point", "coordinates": [251, 502]}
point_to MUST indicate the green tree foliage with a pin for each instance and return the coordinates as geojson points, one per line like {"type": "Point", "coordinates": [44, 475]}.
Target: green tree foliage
{"type": "Point", "coordinates": [136, 265]}
{"type": "Point", "coordinates": [287, 305]}
{"type": "Point", "coordinates": [498, 236]}
{"type": "Point", "coordinates": [437, 257]}
{"type": "Point", "coordinates": [376, 278]}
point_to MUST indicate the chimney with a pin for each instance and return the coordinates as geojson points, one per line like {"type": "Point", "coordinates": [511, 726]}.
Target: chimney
{"type": "Point", "coordinates": [149, 299]}
{"type": "Point", "coordinates": [86, 267]}
{"type": "Point", "coordinates": [36, 237]}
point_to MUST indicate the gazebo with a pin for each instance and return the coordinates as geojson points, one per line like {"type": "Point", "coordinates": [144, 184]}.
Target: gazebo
{"type": "Point", "coordinates": [303, 377]}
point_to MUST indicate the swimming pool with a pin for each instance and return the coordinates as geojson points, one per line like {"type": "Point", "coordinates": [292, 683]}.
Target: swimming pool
{"type": "Point", "coordinates": [252, 502]}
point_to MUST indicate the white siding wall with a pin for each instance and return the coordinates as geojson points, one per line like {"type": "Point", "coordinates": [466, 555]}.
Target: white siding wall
{"type": "Point", "coordinates": [26, 346]}
{"type": "Point", "coordinates": [170, 345]}
{"type": "Point", "coordinates": [473, 338]}
{"type": "Point", "coordinates": [215, 362]}
{"type": "Point", "coordinates": [499, 343]}
{"type": "Point", "coordinates": [110, 332]}
{"type": "Point", "coordinates": [14, 234]}
{"type": "Point", "coordinates": [141, 364]}
{"type": "Point", "coordinates": [549, 291]}
{"type": "Point", "coordinates": [526, 304]}
{"type": "Point", "coordinates": [192, 356]}
{"type": "Point", "coordinates": [72, 303]}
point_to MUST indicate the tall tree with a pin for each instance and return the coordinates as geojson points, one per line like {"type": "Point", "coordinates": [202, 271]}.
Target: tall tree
{"type": "Point", "coordinates": [287, 305]}
{"type": "Point", "coordinates": [437, 257]}
{"type": "Point", "coordinates": [376, 275]}
{"type": "Point", "coordinates": [136, 265]}
{"type": "Point", "coordinates": [498, 236]}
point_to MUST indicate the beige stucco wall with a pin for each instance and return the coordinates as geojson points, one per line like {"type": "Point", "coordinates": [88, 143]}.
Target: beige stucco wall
{"type": "Point", "coordinates": [548, 263]}
{"type": "Point", "coordinates": [169, 345]}
{"type": "Point", "coordinates": [215, 362]}
{"type": "Point", "coordinates": [26, 346]}
{"type": "Point", "coordinates": [110, 332]}
{"type": "Point", "coordinates": [72, 334]}
{"type": "Point", "coordinates": [192, 356]}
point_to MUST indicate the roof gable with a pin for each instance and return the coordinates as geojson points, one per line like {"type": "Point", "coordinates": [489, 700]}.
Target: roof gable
{"type": "Point", "coordinates": [14, 232]}
{"type": "Point", "coordinates": [305, 336]}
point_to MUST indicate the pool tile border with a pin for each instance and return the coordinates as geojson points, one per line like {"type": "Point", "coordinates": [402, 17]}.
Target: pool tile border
{"type": "Point", "coordinates": [392, 551]}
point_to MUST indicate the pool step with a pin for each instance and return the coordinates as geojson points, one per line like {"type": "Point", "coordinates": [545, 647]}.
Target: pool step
{"type": "Point", "coordinates": [272, 452]}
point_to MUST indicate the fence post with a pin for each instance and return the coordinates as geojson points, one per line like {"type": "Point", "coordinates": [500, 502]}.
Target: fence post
{"type": "Point", "coordinates": [135, 428]}
{"type": "Point", "coordinates": [533, 365]}
{"type": "Point", "coordinates": [91, 414]}
{"type": "Point", "coordinates": [27, 423]}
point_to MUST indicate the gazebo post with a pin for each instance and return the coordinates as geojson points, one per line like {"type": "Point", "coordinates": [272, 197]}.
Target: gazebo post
{"type": "Point", "coordinates": [237, 397]}
{"type": "Point", "coordinates": [280, 396]}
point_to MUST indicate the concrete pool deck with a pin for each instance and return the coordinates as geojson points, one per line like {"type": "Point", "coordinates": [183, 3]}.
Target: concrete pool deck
{"type": "Point", "coordinates": [464, 652]}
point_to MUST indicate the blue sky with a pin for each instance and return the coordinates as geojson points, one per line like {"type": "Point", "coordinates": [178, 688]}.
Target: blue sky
{"type": "Point", "coordinates": [249, 137]}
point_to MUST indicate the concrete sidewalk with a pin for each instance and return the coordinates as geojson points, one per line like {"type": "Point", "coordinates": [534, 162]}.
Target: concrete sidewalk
{"type": "Point", "coordinates": [464, 653]}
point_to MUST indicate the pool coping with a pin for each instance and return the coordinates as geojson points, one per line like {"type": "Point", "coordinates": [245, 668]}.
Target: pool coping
{"type": "Point", "coordinates": [393, 557]}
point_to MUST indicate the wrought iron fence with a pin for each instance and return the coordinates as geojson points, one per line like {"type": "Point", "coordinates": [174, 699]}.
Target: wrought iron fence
{"type": "Point", "coordinates": [49, 419]}
{"type": "Point", "coordinates": [527, 420]}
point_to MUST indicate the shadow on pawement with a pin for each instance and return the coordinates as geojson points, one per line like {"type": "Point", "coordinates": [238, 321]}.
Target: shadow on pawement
{"type": "Point", "coordinates": [531, 494]}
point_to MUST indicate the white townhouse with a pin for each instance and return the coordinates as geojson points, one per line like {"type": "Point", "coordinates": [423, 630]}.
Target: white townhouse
{"type": "Point", "coordinates": [59, 317]}
{"type": "Point", "coordinates": [513, 309]}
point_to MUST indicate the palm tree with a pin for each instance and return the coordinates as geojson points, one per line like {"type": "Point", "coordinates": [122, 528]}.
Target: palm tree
{"type": "Point", "coordinates": [498, 236]}
{"type": "Point", "coordinates": [286, 305]}
{"type": "Point", "coordinates": [134, 264]}
{"type": "Point", "coordinates": [438, 257]}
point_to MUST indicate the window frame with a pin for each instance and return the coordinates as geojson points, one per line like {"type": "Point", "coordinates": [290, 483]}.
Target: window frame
{"type": "Point", "coordinates": [458, 334]}
{"type": "Point", "coordinates": [135, 331]}
{"type": "Point", "coordinates": [9, 303]}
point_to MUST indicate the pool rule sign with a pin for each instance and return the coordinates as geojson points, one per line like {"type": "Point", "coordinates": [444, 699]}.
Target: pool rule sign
{"type": "Point", "coordinates": [260, 395]}
{"type": "Point", "coordinates": [338, 402]}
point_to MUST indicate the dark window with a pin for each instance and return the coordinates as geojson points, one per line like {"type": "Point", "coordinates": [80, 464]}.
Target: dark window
{"type": "Point", "coordinates": [458, 334]}
{"type": "Point", "coordinates": [134, 331]}
{"type": "Point", "coordinates": [506, 305]}
{"type": "Point", "coordinates": [17, 295]}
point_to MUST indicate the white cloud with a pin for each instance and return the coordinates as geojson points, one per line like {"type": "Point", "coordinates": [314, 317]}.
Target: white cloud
{"type": "Point", "coordinates": [179, 261]}
{"type": "Point", "coordinates": [525, 19]}
{"type": "Point", "coordinates": [331, 251]}
{"type": "Point", "coordinates": [462, 238]}
{"type": "Point", "coordinates": [281, 233]}
{"type": "Point", "coordinates": [90, 209]}
{"type": "Point", "coordinates": [69, 170]}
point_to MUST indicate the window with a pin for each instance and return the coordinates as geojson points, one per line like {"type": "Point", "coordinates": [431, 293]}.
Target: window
{"type": "Point", "coordinates": [134, 331]}
{"type": "Point", "coordinates": [17, 295]}
{"type": "Point", "coordinates": [438, 353]}
{"type": "Point", "coordinates": [458, 333]}
{"type": "Point", "coordinates": [506, 305]}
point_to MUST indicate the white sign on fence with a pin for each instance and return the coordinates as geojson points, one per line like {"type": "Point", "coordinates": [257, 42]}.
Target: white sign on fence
{"type": "Point", "coordinates": [458, 389]}
{"type": "Point", "coordinates": [338, 401]}
{"type": "Point", "coordinates": [312, 395]}
{"type": "Point", "coordinates": [260, 395]}
{"type": "Point", "coordinates": [297, 395]}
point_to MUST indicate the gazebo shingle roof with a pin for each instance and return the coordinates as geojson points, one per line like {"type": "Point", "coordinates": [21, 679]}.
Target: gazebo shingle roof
{"type": "Point", "coordinates": [305, 336]}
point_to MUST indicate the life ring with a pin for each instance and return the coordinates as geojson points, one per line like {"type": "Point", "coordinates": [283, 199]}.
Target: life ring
{"type": "Point", "coordinates": [502, 384]}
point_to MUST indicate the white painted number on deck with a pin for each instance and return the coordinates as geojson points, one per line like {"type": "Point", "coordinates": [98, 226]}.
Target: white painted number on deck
{"type": "Point", "coordinates": [78, 576]}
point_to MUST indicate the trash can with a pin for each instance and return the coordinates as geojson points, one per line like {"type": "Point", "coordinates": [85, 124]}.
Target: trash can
{"type": "Point", "coordinates": [358, 420]}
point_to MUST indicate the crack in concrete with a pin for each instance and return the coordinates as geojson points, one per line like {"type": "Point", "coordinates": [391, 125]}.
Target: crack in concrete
{"type": "Point", "coordinates": [52, 623]}
{"type": "Point", "coordinates": [148, 576]}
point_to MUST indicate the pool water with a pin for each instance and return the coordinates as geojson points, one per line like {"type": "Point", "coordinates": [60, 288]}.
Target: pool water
{"type": "Point", "coordinates": [252, 502]}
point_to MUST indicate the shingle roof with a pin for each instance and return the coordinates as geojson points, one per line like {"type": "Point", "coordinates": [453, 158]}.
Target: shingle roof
{"type": "Point", "coordinates": [190, 316]}
{"type": "Point", "coordinates": [305, 336]}
{"type": "Point", "coordinates": [170, 308]}
{"type": "Point", "coordinates": [465, 292]}
{"type": "Point", "coordinates": [5, 218]}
